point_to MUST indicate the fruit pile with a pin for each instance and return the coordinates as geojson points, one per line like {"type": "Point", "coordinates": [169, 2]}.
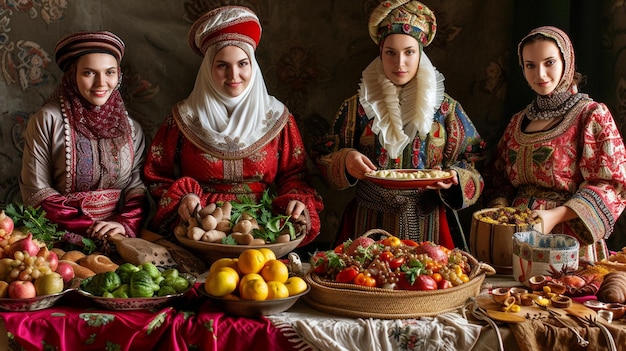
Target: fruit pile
{"type": "Point", "coordinates": [27, 268]}
{"type": "Point", "coordinates": [255, 275]}
{"type": "Point", "coordinates": [392, 263]}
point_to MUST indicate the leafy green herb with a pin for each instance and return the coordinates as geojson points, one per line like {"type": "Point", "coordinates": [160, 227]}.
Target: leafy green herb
{"type": "Point", "coordinates": [34, 221]}
{"type": "Point", "coordinates": [270, 225]}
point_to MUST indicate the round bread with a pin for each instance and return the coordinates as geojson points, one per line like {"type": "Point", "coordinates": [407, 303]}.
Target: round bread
{"type": "Point", "coordinates": [98, 263]}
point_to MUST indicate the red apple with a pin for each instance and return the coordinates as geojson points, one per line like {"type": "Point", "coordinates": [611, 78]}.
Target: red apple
{"type": "Point", "coordinates": [66, 271]}
{"type": "Point", "coordinates": [22, 289]}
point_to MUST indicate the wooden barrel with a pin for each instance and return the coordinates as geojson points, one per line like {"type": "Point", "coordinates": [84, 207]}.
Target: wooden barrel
{"type": "Point", "coordinates": [493, 243]}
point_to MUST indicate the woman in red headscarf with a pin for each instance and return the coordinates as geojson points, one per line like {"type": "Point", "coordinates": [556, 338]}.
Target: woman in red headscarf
{"type": "Point", "coordinates": [83, 153]}
{"type": "Point", "coordinates": [562, 155]}
{"type": "Point", "coordinates": [229, 138]}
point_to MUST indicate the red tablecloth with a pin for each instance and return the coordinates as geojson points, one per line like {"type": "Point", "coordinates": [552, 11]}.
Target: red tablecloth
{"type": "Point", "coordinates": [191, 323]}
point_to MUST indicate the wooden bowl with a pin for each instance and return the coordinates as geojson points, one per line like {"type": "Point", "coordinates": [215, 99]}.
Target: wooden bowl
{"type": "Point", "coordinates": [249, 308]}
{"type": "Point", "coordinates": [211, 252]}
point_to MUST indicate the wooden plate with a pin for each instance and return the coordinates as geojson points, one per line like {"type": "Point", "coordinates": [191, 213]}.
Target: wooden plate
{"type": "Point", "coordinates": [406, 183]}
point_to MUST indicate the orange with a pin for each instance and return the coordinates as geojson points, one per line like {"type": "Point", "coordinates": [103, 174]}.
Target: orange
{"type": "Point", "coordinates": [255, 289]}
{"type": "Point", "coordinates": [296, 285]}
{"type": "Point", "coordinates": [247, 277]}
{"type": "Point", "coordinates": [276, 290]}
{"type": "Point", "coordinates": [222, 282]}
{"type": "Point", "coordinates": [251, 261]}
{"type": "Point", "coordinates": [224, 262]}
{"type": "Point", "coordinates": [269, 254]}
{"type": "Point", "coordinates": [275, 270]}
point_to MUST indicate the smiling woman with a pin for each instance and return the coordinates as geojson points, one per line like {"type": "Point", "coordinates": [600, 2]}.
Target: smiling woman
{"type": "Point", "coordinates": [83, 153]}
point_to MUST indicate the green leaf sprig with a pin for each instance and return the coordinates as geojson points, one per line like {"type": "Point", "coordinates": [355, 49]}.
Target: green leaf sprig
{"type": "Point", "coordinates": [270, 225]}
{"type": "Point", "coordinates": [35, 222]}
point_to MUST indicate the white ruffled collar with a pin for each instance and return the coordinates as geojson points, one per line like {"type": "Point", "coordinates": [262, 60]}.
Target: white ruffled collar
{"type": "Point", "coordinates": [400, 113]}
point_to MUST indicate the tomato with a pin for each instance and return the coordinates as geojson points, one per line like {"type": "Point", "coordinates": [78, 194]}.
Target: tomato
{"type": "Point", "coordinates": [392, 241]}
{"type": "Point", "coordinates": [437, 277]}
{"type": "Point", "coordinates": [339, 249]}
{"type": "Point", "coordinates": [408, 242]}
{"type": "Point", "coordinates": [385, 256]}
{"type": "Point", "coordinates": [422, 282]}
{"type": "Point", "coordinates": [396, 262]}
{"type": "Point", "coordinates": [364, 279]}
{"type": "Point", "coordinates": [347, 275]}
{"type": "Point", "coordinates": [319, 262]}
{"type": "Point", "coordinates": [444, 284]}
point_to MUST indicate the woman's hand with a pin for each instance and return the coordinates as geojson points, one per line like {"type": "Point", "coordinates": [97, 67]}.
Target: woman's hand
{"type": "Point", "coordinates": [295, 209]}
{"type": "Point", "coordinates": [358, 164]}
{"type": "Point", "coordinates": [554, 216]}
{"type": "Point", "coordinates": [109, 228]}
{"type": "Point", "coordinates": [446, 184]}
{"type": "Point", "coordinates": [187, 206]}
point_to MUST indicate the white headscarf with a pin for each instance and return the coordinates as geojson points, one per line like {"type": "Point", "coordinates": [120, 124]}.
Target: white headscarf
{"type": "Point", "coordinates": [230, 123]}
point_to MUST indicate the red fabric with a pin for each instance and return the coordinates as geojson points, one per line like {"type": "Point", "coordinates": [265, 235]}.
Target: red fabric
{"type": "Point", "coordinates": [176, 167]}
{"type": "Point", "coordinates": [76, 323]}
{"type": "Point", "coordinates": [445, 237]}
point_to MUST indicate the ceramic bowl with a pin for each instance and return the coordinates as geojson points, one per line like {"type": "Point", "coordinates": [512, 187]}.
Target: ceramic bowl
{"type": "Point", "coordinates": [618, 309]}
{"type": "Point", "coordinates": [211, 252]}
{"type": "Point", "coordinates": [535, 253]}
{"type": "Point", "coordinates": [537, 282]}
{"type": "Point", "coordinates": [499, 295]}
{"type": "Point", "coordinates": [249, 308]}
{"type": "Point", "coordinates": [31, 304]}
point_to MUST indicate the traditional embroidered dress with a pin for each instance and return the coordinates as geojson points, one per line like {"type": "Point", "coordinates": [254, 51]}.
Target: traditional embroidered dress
{"type": "Point", "coordinates": [579, 163]}
{"type": "Point", "coordinates": [220, 147]}
{"type": "Point", "coordinates": [82, 163]}
{"type": "Point", "coordinates": [398, 127]}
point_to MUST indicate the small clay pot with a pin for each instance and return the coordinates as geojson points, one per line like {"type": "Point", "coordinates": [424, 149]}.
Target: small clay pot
{"type": "Point", "coordinates": [517, 294]}
{"type": "Point", "coordinates": [500, 295]}
{"type": "Point", "coordinates": [556, 288]}
{"type": "Point", "coordinates": [618, 309]}
{"type": "Point", "coordinates": [537, 282]}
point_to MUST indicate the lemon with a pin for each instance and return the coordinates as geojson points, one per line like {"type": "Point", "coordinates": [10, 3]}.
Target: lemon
{"type": "Point", "coordinates": [244, 279]}
{"type": "Point", "coordinates": [224, 262]}
{"type": "Point", "coordinates": [275, 270]}
{"type": "Point", "coordinates": [296, 285]}
{"type": "Point", "coordinates": [255, 289]}
{"type": "Point", "coordinates": [222, 282]}
{"type": "Point", "coordinates": [269, 254]}
{"type": "Point", "coordinates": [276, 290]}
{"type": "Point", "coordinates": [251, 261]}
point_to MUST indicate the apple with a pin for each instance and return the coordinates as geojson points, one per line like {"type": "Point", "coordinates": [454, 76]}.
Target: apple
{"type": "Point", "coordinates": [53, 260]}
{"type": "Point", "coordinates": [66, 271]}
{"type": "Point", "coordinates": [22, 289]}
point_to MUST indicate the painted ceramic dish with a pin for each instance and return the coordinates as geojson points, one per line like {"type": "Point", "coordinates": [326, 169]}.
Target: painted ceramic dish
{"type": "Point", "coordinates": [31, 304]}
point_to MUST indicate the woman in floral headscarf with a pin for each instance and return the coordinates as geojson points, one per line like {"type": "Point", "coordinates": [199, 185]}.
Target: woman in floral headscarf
{"type": "Point", "coordinates": [83, 154]}
{"type": "Point", "coordinates": [402, 118]}
{"type": "Point", "coordinates": [229, 138]}
{"type": "Point", "coordinates": [561, 156]}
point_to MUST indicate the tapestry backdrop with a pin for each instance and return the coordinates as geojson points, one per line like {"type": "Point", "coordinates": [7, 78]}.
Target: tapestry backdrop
{"type": "Point", "coordinates": [312, 54]}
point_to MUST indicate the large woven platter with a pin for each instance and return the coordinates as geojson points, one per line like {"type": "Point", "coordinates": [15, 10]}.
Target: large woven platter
{"type": "Point", "coordinates": [368, 302]}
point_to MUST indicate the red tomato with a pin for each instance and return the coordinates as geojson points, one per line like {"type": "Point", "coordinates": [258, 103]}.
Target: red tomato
{"type": "Point", "coordinates": [396, 262]}
{"type": "Point", "coordinates": [408, 242]}
{"type": "Point", "coordinates": [422, 282]}
{"type": "Point", "coordinates": [444, 284]}
{"type": "Point", "coordinates": [385, 256]}
{"type": "Point", "coordinates": [339, 249]}
{"type": "Point", "coordinates": [364, 279]}
{"type": "Point", "coordinates": [347, 275]}
{"type": "Point", "coordinates": [319, 262]}
{"type": "Point", "coordinates": [392, 241]}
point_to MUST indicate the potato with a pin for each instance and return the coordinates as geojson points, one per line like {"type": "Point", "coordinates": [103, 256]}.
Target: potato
{"type": "Point", "coordinates": [195, 233]}
{"type": "Point", "coordinates": [243, 226]}
{"type": "Point", "coordinates": [207, 210]}
{"type": "Point", "coordinates": [257, 241]}
{"type": "Point", "coordinates": [209, 222]}
{"type": "Point", "coordinates": [213, 236]}
{"type": "Point", "coordinates": [283, 238]}
{"type": "Point", "coordinates": [227, 208]}
{"type": "Point", "coordinates": [224, 226]}
{"type": "Point", "coordinates": [242, 239]}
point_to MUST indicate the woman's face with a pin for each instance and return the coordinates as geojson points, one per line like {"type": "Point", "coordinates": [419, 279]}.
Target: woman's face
{"type": "Point", "coordinates": [401, 57]}
{"type": "Point", "coordinates": [97, 75]}
{"type": "Point", "coordinates": [543, 66]}
{"type": "Point", "coordinates": [231, 70]}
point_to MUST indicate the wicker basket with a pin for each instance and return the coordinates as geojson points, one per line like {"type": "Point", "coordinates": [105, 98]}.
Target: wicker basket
{"type": "Point", "coordinates": [369, 302]}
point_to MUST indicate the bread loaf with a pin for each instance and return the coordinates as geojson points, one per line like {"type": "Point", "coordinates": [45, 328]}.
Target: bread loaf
{"type": "Point", "coordinates": [613, 288]}
{"type": "Point", "coordinates": [98, 263]}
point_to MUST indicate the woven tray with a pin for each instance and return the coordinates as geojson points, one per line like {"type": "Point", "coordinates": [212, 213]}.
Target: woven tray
{"type": "Point", "coordinates": [368, 302]}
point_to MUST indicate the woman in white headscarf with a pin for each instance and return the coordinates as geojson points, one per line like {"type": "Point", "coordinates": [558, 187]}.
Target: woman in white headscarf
{"type": "Point", "coordinates": [229, 137]}
{"type": "Point", "coordinates": [401, 118]}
